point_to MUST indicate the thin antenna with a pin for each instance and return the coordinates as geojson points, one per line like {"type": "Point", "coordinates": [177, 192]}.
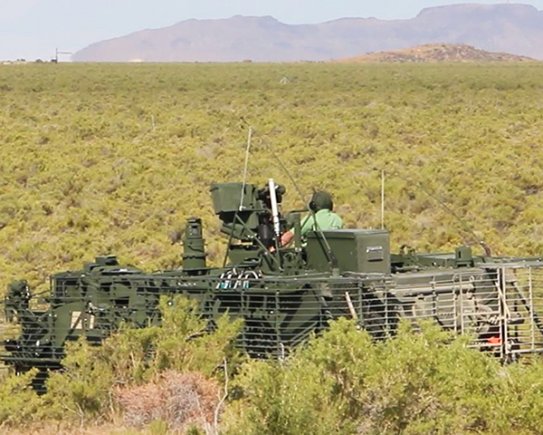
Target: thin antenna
{"type": "Point", "coordinates": [242, 195]}
{"type": "Point", "coordinates": [332, 260]}
{"type": "Point", "coordinates": [383, 199]}
{"type": "Point", "coordinates": [289, 175]}
{"type": "Point", "coordinates": [247, 149]}
{"type": "Point", "coordinates": [467, 228]}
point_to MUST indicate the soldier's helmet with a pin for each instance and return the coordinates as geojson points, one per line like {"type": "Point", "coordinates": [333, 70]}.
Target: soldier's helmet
{"type": "Point", "coordinates": [321, 200]}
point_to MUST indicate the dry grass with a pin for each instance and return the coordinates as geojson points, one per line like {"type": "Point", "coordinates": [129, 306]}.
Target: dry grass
{"type": "Point", "coordinates": [181, 400]}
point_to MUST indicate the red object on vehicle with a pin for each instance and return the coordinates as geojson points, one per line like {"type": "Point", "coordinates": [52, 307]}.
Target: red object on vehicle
{"type": "Point", "coordinates": [495, 340]}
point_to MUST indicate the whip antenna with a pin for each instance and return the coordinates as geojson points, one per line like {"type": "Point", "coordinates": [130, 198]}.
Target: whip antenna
{"type": "Point", "coordinates": [383, 199]}
{"type": "Point", "coordinates": [245, 166]}
{"type": "Point", "coordinates": [464, 224]}
{"type": "Point", "coordinates": [332, 260]}
{"type": "Point", "coordinates": [289, 175]}
{"type": "Point", "coordinates": [242, 194]}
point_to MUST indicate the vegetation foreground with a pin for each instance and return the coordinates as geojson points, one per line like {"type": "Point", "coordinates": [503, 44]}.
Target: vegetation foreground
{"type": "Point", "coordinates": [162, 379]}
{"type": "Point", "coordinates": [101, 159]}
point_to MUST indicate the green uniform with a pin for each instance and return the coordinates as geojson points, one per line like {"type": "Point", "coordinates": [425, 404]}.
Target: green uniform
{"type": "Point", "coordinates": [325, 220]}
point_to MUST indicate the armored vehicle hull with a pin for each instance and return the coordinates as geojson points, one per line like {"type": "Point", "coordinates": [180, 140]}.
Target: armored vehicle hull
{"type": "Point", "coordinates": [285, 294]}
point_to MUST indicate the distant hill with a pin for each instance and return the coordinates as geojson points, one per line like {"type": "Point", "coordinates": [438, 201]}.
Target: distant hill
{"type": "Point", "coordinates": [429, 53]}
{"type": "Point", "coordinates": [508, 28]}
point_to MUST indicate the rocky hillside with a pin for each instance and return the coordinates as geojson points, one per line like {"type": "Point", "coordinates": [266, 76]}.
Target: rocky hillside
{"type": "Point", "coordinates": [438, 53]}
{"type": "Point", "coordinates": [508, 28]}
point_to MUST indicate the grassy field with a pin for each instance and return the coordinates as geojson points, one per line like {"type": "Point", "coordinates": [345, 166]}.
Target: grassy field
{"type": "Point", "coordinates": [103, 159]}
{"type": "Point", "coordinates": [100, 159]}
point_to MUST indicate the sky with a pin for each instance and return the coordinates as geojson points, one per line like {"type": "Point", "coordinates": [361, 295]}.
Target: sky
{"type": "Point", "coordinates": [34, 29]}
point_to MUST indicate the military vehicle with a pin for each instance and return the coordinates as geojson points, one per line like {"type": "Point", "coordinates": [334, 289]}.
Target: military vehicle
{"type": "Point", "coordinates": [284, 294]}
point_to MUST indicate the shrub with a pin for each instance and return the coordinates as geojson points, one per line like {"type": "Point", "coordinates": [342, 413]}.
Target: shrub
{"type": "Point", "coordinates": [132, 361]}
{"type": "Point", "coordinates": [18, 402]}
{"type": "Point", "coordinates": [181, 400]}
{"type": "Point", "coordinates": [427, 382]}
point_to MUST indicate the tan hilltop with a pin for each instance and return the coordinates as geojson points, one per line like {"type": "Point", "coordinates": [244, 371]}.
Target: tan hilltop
{"type": "Point", "coordinates": [431, 53]}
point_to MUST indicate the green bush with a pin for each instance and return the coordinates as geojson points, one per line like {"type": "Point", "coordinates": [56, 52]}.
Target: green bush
{"type": "Point", "coordinates": [198, 350]}
{"type": "Point", "coordinates": [83, 389]}
{"type": "Point", "coordinates": [427, 382]}
{"type": "Point", "coordinates": [18, 402]}
{"type": "Point", "coordinates": [420, 381]}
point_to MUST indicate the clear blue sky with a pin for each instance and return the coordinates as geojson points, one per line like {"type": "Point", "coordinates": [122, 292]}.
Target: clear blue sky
{"type": "Point", "coordinates": [34, 28]}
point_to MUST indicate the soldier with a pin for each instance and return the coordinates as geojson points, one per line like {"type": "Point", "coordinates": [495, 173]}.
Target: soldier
{"type": "Point", "coordinates": [321, 218]}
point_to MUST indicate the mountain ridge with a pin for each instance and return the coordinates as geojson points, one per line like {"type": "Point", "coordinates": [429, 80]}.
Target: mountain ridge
{"type": "Point", "coordinates": [505, 28]}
